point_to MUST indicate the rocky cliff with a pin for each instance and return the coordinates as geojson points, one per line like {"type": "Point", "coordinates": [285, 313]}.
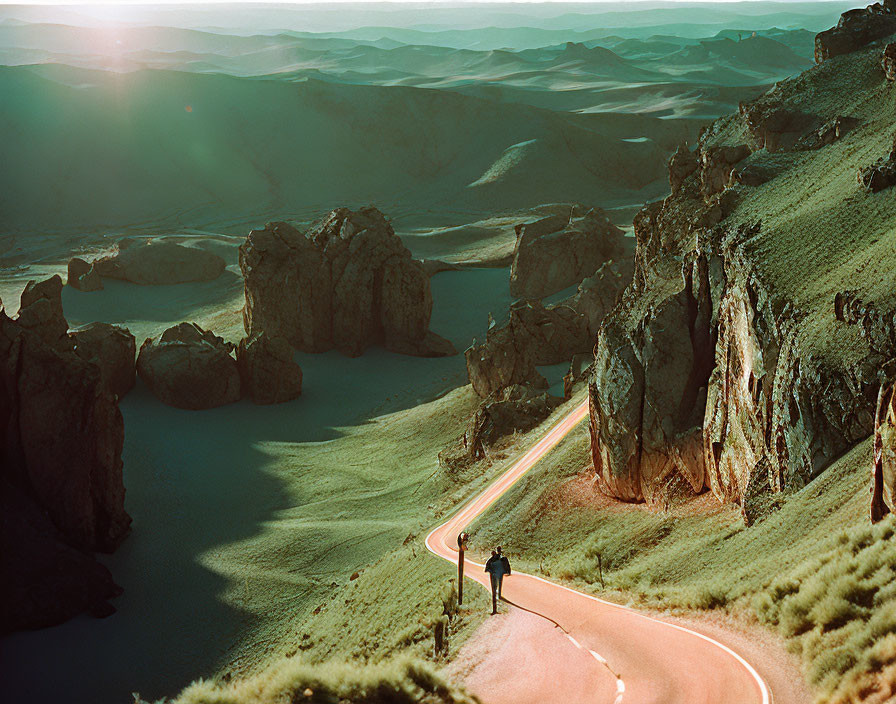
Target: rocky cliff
{"type": "Point", "coordinates": [535, 334]}
{"type": "Point", "coordinates": [726, 366]}
{"type": "Point", "coordinates": [61, 470]}
{"type": "Point", "coordinates": [347, 283]}
{"type": "Point", "coordinates": [561, 250]}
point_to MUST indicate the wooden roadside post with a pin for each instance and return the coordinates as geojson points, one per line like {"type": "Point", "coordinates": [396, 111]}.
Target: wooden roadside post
{"type": "Point", "coordinates": [462, 539]}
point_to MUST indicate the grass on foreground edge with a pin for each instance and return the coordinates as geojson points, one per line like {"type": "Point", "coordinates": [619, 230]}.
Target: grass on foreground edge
{"type": "Point", "coordinates": [401, 681]}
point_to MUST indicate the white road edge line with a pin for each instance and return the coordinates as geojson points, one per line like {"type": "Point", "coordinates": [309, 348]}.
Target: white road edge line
{"type": "Point", "coordinates": [763, 688]}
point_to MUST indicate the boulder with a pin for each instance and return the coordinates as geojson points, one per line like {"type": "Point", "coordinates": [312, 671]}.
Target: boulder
{"type": "Point", "coordinates": [883, 470]}
{"type": "Point", "coordinates": [83, 275]}
{"type": "Point", "coordinates": [560, 251]}
{"type": "Point", "coordinates": [268, 372]}
{"type": "Point", "coordinates": [112, 349]}
{"type": "Point", "coordinates": [188, 367]}
{"type": "Point", "coordinates": [856, 28]}
{"type": "Point", "coordinates": [888, 62]}
{"type": "Point", "coordinates": [160, 262]}
{"type": "Point", "coordinates": [347, 283]}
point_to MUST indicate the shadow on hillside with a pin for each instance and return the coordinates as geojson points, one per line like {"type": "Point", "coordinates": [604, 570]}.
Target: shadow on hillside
{"type": "Point", "coordinates": [197, 483]}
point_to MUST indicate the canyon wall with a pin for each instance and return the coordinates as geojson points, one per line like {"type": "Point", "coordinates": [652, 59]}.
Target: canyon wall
{"type": "Point", "coordinates": [729, 365]}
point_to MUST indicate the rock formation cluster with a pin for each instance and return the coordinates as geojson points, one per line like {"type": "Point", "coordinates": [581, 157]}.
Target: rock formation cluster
{"type": "Point", "coordinates": [61, 472]}
{"type": "Point", "coordinates": [561, 250]}
{"type": "Point", "coordinates": [346, 283]}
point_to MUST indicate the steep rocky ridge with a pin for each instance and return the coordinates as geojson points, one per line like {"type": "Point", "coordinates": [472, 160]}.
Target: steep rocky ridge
{"type": "Point", "coordinates": [724, 366]}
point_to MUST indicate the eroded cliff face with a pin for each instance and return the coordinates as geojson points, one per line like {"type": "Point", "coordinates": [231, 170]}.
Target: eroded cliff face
{"type": "Point", "coordinates": [648, 388]}
{"type": "Point", "coordinates": [776, 413]}
{"type": "Point", "coordinates": [728, 365]}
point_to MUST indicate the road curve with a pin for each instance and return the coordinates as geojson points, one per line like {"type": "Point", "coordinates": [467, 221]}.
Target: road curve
{"type": "Point", "coordinates": [636, 659]}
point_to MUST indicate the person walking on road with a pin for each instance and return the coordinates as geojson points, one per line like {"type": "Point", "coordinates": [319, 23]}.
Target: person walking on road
{"type": "Point", "coordinates": [497, 566]}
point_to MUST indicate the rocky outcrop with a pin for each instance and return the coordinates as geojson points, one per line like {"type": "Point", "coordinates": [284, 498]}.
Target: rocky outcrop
{"type": "Point", "coordinates": [559, 251]}
{"type": "Point", "coordinates": [517, 408]}
{"type": "Point", "coordinates": [888, 62]}
{"type": "Point", "coordinates": [113, 350]}
{"type": "Point", "coordinates": [717, 165]}
{"type": "Point", "coordinates": [880, 175]}
{"type": "Point", "coordinates": [648, 389]}
{"type": "Point", "coordinates": [770, 403]}
{"type": "Point", "coordinates": [159, 262]}
{"type": "Point", "coordinates": [883, 470]}
{"type": "Point", "coordinates": [856, 28]}
{"type": "Point", "coordinates": [775, 128]}
{"type": "Point", "coordinates": [268, 372]}
{"type": "Point", "coordinates": [40, 311]}
{"type": "Point", "coordinates": [347, 283]}
{"type": "Point", "coordinates": [682, 164]}
{"type": "Point", "coordinates": [188, 367]}
{"type": "Point", "coordinates": [83, 276]}
{"type": "Point", "coordinates": [500, 362]}
{"type": "Point", "coordinates": [63, 496]}
{"type": "Point", "coordinates": [536, 335]}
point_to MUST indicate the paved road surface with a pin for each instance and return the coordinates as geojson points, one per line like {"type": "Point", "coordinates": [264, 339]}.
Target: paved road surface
{"type": "Point", "coordinates": [613, 653]}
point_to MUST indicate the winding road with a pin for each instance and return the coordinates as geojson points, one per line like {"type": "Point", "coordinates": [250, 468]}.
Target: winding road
{"type": "Point", "coordinates": [617, 653]}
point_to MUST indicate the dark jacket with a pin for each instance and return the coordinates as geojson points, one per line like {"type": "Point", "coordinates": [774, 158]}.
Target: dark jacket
{"type": "Point", "coordinates": [497, 566]}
